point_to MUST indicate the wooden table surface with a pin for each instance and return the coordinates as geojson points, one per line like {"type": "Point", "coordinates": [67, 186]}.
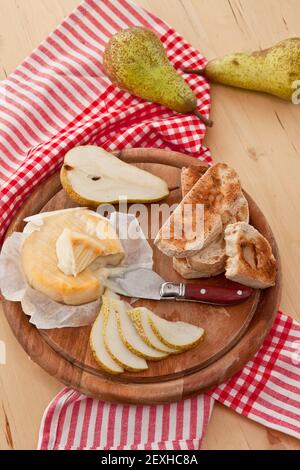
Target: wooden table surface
{"type": "Point", "coordinates": [256, 134]}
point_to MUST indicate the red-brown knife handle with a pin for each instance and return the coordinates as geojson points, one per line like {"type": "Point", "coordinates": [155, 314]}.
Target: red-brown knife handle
{"type": "Point", "coordinates": [216, 295]}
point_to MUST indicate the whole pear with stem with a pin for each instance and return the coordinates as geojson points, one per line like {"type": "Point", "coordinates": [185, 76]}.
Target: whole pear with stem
{"type": "Point", "coordinates": [136, 61]}
{"type": "Point", "coordinates": [274, 70]}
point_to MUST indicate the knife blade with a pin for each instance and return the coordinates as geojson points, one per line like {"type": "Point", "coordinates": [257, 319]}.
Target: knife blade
{"type": "Point", "coordinates": [143, 283]}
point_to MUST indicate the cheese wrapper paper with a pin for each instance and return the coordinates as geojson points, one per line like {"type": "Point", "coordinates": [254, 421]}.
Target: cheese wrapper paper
{"type": "Point", "coordinates": [44, 312]}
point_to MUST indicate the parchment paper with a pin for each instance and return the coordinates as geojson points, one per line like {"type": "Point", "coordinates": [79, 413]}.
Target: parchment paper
{"type": "Point", "coordinates": [44, 312]}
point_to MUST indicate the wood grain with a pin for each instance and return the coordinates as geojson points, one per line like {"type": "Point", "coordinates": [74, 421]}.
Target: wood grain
{"type": "Point", "coordinates": [233, 334]}
{"type": "Point", "coordinates": [258, 135]}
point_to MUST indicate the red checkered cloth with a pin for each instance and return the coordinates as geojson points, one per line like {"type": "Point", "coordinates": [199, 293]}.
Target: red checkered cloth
{"type": "Point", "coordinates": [60, 97]}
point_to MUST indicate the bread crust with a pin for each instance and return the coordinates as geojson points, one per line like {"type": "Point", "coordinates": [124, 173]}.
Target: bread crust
{"type": "Point", "coordinates": [190, 175]}
{"type": "Point", "coordinates": [211, 260]}
{"type": "Point", "coordinates": [250, 258]}
{"type": "Point", "coordinates": [184, 268]}
{"type": "Point", "coordinates": [218, 190]}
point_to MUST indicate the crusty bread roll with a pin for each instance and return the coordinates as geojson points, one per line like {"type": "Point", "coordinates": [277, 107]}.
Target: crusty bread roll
{"type": "Point", "coordinates": [219, 190]}
{"type": "Point", "coordinates": [208, 262]}
{"type": "Point", "coordinates": [211, 260]}
{"type": "Point", "coordinates": [250, 258]}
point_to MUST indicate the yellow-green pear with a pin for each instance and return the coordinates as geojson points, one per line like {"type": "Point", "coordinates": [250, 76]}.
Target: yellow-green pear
{"type": "Point", "coordinates": [273, 70]}
{"type": "Point", "coordinates": [136, 61]}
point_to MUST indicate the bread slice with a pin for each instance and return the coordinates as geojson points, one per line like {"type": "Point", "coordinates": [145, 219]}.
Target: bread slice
{"type": "Point", "coordinates": [190, 175]}
{"type": "Point", "coordinates": [219, 190]}
{"type": "Point", "coordinates": [173, 243]}
{"type": "Point", "coordinates": [235, 209]}
{"type": "Point", "coordinates": [210, 261]}
{"type": "Point", "coordinates": [250, 258]}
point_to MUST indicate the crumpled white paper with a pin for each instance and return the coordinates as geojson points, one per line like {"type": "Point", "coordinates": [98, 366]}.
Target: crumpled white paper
{"type": "Point", "coordinates": [44, 312]}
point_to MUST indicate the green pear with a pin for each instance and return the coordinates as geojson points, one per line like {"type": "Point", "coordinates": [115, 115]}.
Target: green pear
{"type": "Point", "coordinates": [136, 61]}
{"type": "Point", "coordinates": [272, 70]}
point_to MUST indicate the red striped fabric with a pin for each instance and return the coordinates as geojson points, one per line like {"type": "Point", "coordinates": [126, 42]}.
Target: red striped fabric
{"type": "Point", "coordinates": [73, 421]}
{"type": "Point", "coordinates": [266, 390]}
{"type": "Point", "coordinates": [59, 97]}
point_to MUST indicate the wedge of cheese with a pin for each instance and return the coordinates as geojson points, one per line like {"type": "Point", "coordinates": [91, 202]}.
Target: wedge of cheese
{"type": "Point", "coordinates": [75, 251]}
{"type": "Point", "coordinates": [40, 261]}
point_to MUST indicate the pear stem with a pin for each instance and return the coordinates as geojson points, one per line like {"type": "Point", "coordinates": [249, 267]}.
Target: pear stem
{"type": "Point", "coordinates": [197, 113]}
{"type": "Point", "coordinates": [195, 71]}
{"type": "Point", "coordinates": [203, 119]}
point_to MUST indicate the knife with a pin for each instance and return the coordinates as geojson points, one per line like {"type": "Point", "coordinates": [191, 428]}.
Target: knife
{"type": "Point", "coordinates": [143, 283]}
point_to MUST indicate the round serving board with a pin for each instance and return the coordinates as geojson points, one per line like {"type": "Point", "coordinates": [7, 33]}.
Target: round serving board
{"type": "Point", "coordinates": [233, 334]}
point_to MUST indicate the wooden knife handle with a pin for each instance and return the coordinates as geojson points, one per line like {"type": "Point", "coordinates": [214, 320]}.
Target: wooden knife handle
{"type": "Point", "coordinates": [233, 294]}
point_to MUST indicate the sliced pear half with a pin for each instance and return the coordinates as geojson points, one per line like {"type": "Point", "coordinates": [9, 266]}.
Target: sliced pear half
{"type": "Point", "coordinates": [92, 176]}
{"type": "Point", "coordinates": [178, 335]}
{"type": "Point", "coordinates": [98, 348]}
{"type": "Point", "coordinates": [113, 341]}
{"type": "Point", "coordinates": [139, 317]}
{"type": "Point", "coordinates": [130, 337]}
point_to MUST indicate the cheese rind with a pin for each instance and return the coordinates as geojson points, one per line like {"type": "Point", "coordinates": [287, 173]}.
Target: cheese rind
{"type": "Point", "coordinates": [39, 258]}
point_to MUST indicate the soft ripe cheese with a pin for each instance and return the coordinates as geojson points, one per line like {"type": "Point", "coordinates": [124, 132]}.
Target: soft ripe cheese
{"type": "Point", "coordinates": [75, 251]}
{"type": "Point", "coordinates": [40, 261]}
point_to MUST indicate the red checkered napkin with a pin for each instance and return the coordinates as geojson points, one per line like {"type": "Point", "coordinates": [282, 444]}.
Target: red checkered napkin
{"type": "Point", "coordinates": [267, 389]}
{"type": "Point", "coordinates": [59, 97]}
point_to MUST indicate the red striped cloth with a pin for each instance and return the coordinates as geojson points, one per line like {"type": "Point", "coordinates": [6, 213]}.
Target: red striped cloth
{"type": "Point", "coordinates": [266, 390]}
{"type": "Point", "coordinates": [59, 97]}
{"type": "Point", "coordinates": [74, 421]}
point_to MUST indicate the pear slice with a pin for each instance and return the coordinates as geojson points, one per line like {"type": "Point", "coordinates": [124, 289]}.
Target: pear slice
{"type": "Point", "coordinates": [92, 176]}
{"type": "Point", "coordinates": [113, 341]}
{"type": "Point", "coordinates": [98, 348]}
{"type": "Point", "coordinates": [178, 335]}
{"type": "Point", "coordinates": [131, 338]}
{"type": "Point", "coordinates": [139, 317]}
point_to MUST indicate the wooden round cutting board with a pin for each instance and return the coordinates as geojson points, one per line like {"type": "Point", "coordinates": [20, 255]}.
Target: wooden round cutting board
{"type": "Point", "coordinates": [233, 334]}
